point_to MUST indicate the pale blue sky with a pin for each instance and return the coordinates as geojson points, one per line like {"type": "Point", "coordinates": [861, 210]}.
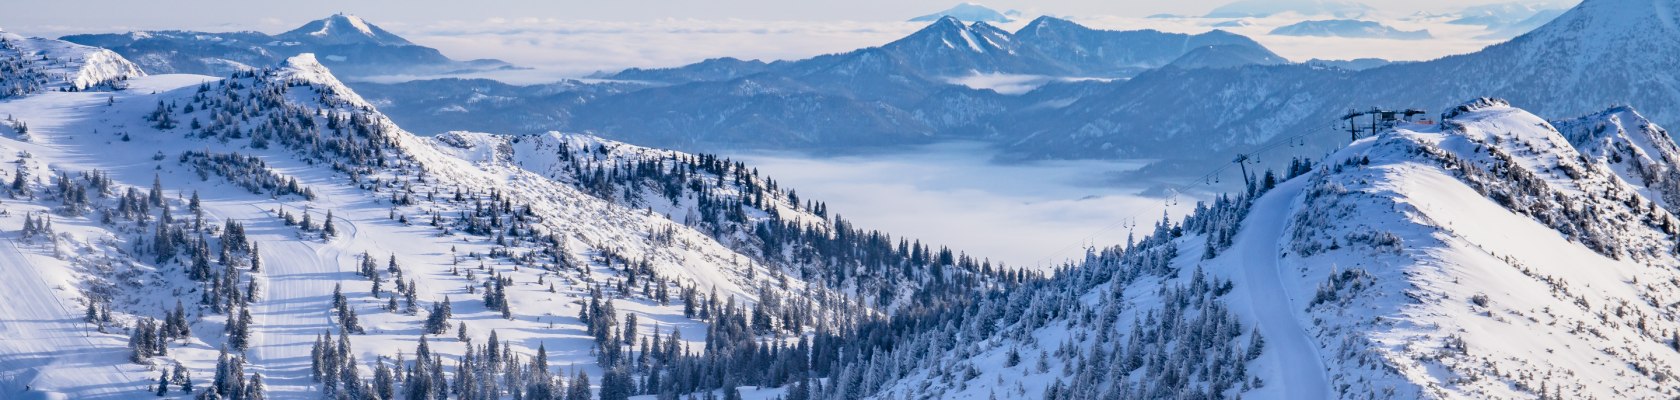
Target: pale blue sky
{"type": "Point", "coordinates": [66, 16]}
{"type": "Point", "coordinates": [571, 38]}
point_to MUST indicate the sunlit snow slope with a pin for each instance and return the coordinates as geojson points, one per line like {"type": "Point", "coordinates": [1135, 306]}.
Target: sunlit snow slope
{"type": "Point", "coordinates": [1481, 257]}
{"type": "Point", "coordinates": [218, 193]}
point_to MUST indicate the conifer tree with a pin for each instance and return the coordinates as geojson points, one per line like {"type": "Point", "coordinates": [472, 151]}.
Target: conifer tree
{"type": "Point", "coordinates": [256, 259]}
{"type": "Point", "coordinates": [328, 229]}
{"type": "Point", "coordinates": [579, 388]}
{"type": "Point", "coordinates": [183, 378]}
{"type": "Point", "coordinates": [255, 389]}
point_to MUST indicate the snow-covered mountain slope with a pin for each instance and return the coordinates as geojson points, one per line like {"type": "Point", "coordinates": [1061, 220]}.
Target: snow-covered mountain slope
{"type": "Point", "coordinates": [31, 65]}
{"type": "Point", "coordinates": [1638, 150]}
{"type": "Point", "coordinates": [1482, 257]}
{"type": "Point", "coordinates": [283, 203]}
{"type": "Point", "coordinates": [341, 29]}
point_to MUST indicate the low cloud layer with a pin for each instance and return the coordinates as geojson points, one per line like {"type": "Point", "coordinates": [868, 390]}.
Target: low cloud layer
{"type": "Point", "coordinates": [576, 48]}
{"type": "Point", "coordinates": [951, 194]}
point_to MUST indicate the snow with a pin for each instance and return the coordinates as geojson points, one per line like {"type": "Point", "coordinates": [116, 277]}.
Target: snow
{"type": "Point", "coordinates": [46, 346]}
{"type": "Point", "coordinates": [1447, 276]}
{"type": "Point", "coordinates": [1273, 306]}
{"type": "Point", "coordinates": [355, 23]}
{"type": "Point", "coordinates": [341, 29]}
{"type": "Point", "coordinates": [72, 65]}
{"type": "Point", "coordinates": [78, 131]}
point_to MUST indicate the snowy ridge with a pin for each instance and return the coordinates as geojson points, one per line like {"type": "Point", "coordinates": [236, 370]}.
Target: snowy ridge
{"type": "Point", "coordinates": [564, 205]}
{"type": "Point", "coordinates": [1482, 257]}
{"type": "Point", "coordinates": [370, 233]}
{"type": "Point", "coordinates": [35, 64]}
{"type": "Point", "coordinates": [1449, 283]}
{"type": "Point", "coordinates": [1640, 152]}
{"type": "Point", "coordinates": [536, 153]}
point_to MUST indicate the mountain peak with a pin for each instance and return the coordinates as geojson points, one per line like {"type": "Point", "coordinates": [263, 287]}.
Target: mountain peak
{"type": "Point", "coordinates": [1616, 19]}
{"type": "Point", "coordinates": [967, 12]}
{"type": "Point", "coordinates": [344, 29]}
{"type": "Point", "coordinates": [940, 27]}
{"type": "Point", "coordinates": [1049, 22]}
{"type": "Point", "coordinates": [306, 68]}
{"type": "Point", "coordinates": [949, 33]}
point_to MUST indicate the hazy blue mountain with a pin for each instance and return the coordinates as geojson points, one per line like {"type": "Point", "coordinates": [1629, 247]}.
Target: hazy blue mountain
{"type": "Point", "coordinates": [1499, 15]}
{"type": "Point", "coordinates": [1047, 46]}
{"type": "Point", "coordinates": [1348, 28]}
{"type": "Point", "coordinates": [349, 45]}
{"type": "Point", "coordinates": [715, 69]}
{"type": "Point", "coordinates": [894, 94]}
{"type": "Point", "coordinates": [1531, 23]}
{"type": "Point", "coordinates": [1117, 54]}
{"type": "Point", "coordinates": [968, 12]}
{"type": "Point", "coordinates": [1358, 64]}
{"type": "Point", "coordinates": [1600, 53]}
{"type": "Point", "coordinates": [1227, 56]}
{"type": "Point", "coordinates": [1206, 108]}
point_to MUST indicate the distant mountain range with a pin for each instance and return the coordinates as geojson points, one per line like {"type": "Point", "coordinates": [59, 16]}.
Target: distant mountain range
{"type": "Point", "coordinates": [1143, 105]}
{"type": "Point", "coordinates": [1600, 53]}
{"type": "Point", "coordinates": [351, 46]}
{"type": "Point", "coordinates": [1103, 94]}
{"type": "Point", "coordinates": [894, 94]}
{"type": "Point", "coordinates": [1349, 28]}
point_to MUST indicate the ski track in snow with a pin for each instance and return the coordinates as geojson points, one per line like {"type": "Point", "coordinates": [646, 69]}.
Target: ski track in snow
{"type": "Point", "coordinates": [43, 341]}
{"type": "Point", "coordinates": [1296, 358]}
{"type": "Point", "coordinates": [294, 307]}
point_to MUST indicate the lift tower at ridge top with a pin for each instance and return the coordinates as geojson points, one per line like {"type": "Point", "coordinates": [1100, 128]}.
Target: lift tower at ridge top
{"type": "Point", "coordinates": [1380, 119]}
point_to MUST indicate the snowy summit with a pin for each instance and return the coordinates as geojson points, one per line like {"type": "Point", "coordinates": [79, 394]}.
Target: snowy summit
{"type": "Point", "coordinates": [342, 29]}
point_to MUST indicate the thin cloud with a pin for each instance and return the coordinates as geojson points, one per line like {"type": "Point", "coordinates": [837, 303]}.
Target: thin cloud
{"type": "Point", "coordinates": [570, 48]}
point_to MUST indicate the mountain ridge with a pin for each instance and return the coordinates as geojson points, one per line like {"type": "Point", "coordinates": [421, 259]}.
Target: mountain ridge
{"type": "Point", "coordinates": [353, 46]}
{"type": "Point", "coordinates": [344, 204]}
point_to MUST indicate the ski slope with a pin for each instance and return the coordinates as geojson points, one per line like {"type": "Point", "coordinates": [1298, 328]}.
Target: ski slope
{"type": "Point", "coordinates": [295, 306]}
{"type": "Point", "coordinates": [1293, 355]}
{"type": "Point", "coordinates": [46, 348]}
